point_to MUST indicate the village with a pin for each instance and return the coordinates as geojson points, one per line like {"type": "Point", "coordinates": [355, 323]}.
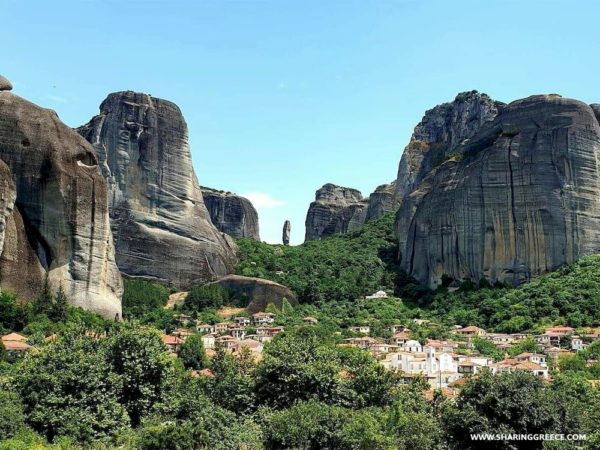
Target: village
{"type": "Point", "coordinates": [444, 364]}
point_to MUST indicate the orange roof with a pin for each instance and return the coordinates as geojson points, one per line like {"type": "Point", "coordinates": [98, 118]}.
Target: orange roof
{"type": "Point", "coordinates": [171, 340]}
{"type": "Point", "coordinates": [469, 329]}
{"type": "Point", "coordinates": [14, 337]}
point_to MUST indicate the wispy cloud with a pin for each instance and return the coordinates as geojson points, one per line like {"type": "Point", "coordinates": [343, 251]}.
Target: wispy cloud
{"type": "Point", "coordinates": [262, 200]}
{"type": "Point", "coordinates": [57, 98]}
{"type": "Point", "coordinates": [282, 85]}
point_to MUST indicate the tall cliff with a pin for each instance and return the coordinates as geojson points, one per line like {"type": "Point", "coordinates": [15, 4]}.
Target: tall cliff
{"type": "Point", "coordinates": [520, 195]}
{"type": "Point", "coordinates": [338, 209]}
{"type": "Point", "coordinates": [335, 210]}
{"type": "Point", "coordinates": [231, 214]}
{"type": "Point", "coordinates": [161, 227]}
{"type": "Point", "coordinates": [53, 210]}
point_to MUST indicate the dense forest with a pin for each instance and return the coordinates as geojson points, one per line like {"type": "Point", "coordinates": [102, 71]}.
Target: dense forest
{"type": "Point", "coordinates": [93, 383]}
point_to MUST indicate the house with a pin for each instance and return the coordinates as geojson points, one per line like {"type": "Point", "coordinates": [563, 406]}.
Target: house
{"type": "Point", "coordinates": [173, 343]}
{"type": "Point", "coordinates": [382, 347]}
{"type": "Point", "coordinates": [468, 367]}
{"type": "Point", "coordinates": [411, 346]}
{"type": "Point", "coordinates": [184, 319]}
{"type": "Point", "coordinates": [14, 342]}
{"type": "Point", "coordinates": [267, 333]}
{"type": "Point", "coordinates": [442, 346]}
{"type": "Point", "coordinates": [241, 321]}
{"type": "Point", "coordinates": [310, 320]}
{"type": "Point", "coordinates": [182, 333]}
{"type": "Point", "coordinates": [512, 365]}
{"type": "Point", "coordinates": [577, 344]}
{"type": "Point", "coordinates": [204, 328]}
{"type": "Point", "coordinates": [263, 318]}
{"type": "Point", "coordinates": [378, 294]}
{"type": "Point", "coordinates": [208, 340]}
{"type": "Point", "coordinates": [471, 332]}
{"type": "Point", "coordinates": [227, 342]}
{"type": "Point", "coordinates": [519, 336]}
{"type": "Point", "coordinates": [560, 330]}
{"type": "Point", "coordinates": [536, 358]}
{"type": "Point", "coordinates": [400, 338]}
{"type": "Point", "coordinates": [555, 352]}
{"type": "Point", "coordinates": [238, 332]}
{"type": "Point", "coordinates": [221, 327]}
{"type": "Point", "coordinates": [362, 342]}
{"type": "Point", "coordinates": [550, 339]}
{"type": "Point", "coordinates": [500, 338]}
{"type": "Point", "coordinates": [364, 329]}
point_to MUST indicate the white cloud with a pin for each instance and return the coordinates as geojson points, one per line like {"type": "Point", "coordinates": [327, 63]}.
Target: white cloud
{"type": "Point", "coordinates": [262, 200]}
{"type": "Point", "coordinates": [56, 98]}
{"type": "Point", "coordinates": [282, 85]}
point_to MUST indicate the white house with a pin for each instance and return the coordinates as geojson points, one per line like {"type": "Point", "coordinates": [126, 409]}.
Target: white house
{"type": "Point", "coordinates": [208, 340]}
{"type": "Point", "coordinates": [364, 329]}
{"type": "Point", "coordinates": [412, 346]}
{"type": "Point", "coordinates": [378, 294]}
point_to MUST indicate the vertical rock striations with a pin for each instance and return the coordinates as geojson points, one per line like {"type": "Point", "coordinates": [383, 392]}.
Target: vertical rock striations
{"type": "Point", "coordinates": [442, 129]}
{"type": "Point", "coordinates": [161, 226]}
{"type": "Point", "coordinates": [519, 197]}
{"type": "Point", "coordinates": [231, 214]}
{"type": "Point", "coordinates": [53, 210]}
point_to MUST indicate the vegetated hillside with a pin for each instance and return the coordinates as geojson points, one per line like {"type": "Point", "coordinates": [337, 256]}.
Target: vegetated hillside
{"type": "Point", "coordinates": [344, 267]}
{"type": "Point", "coordinates": [569, 295]}
{"type": "Point", "coordinates": [341, 267]}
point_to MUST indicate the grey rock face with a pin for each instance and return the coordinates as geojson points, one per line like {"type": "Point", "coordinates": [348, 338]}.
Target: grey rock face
{"type": "Point", "coordinates": [53, 210]}
{"type": "Point", "coordinates": [162, 228]}
{"type": "Point", "coordinates": [519, 198]}
{"type": "Point", "coordinates": [287, 228]}
{"type": "Point", "coordinates": [231, 214]}
{"type": "Point", "coordinates": [335, 210]}
{"type": "Point", "coordinates": [382, 201]}
{"type": "Point", "coordinates": [258, 292]}
{"type": "Point", "coordinates": [5, 85]}
{"type": "Point", "coordinates": [442, 129]}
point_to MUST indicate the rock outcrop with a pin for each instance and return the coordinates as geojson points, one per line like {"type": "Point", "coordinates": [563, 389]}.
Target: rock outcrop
{"type": "Point", "coordinates": [515, 196]}
{"type": "Point", "coordinates": [5, 85]}
{"type": "Point", "coordinates": [257, 293]}
{"type": "Point", "coordinates": [285, 236]}
{"type": "Point", "coordinates": [336, 209]}
{"type": "Point", "coordinates": [441, 130]}
{"type": "Point", "coordinates": [161, 227]}
{"type": "Point", "coordinates": [53, 210]}
{"type": "Point", "coordinates": [231, 214]}
{"type": "Point", "coordinates": [382, 201]}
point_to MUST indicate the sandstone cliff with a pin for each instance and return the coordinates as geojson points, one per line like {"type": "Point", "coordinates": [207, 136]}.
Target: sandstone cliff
{"type": "Point", "coordinates": [53, 210]}
{"type": "Point", "coordinates": [161, 227]}
{"type": "Point", "coordinates": [231, 214]}
{"type": "Point", "coordinates": [518, 197]}
{"type": "Point", "coordinates": [335, 210]}
{"type": "Point", "coordinates": [382, 201]}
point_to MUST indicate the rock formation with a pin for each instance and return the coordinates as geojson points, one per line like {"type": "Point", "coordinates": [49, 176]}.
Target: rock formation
{"type": "Point", "coordinates": [257, 293]}
{"type": "Point", "coordinates": [335, 210]}
{"type": "Point", "coordinates": [53, 210]}
{"type": "Point", "coordinates": [382, 201]}
{"type": "Point", "coordinates": [441, 130]}
{"type": "Point", "coordinates": [161, 227]}
{"type": "Point", "coordinates": [231, 214]}
{"type": "Point", "coordinates": [5, 85]}
{"type": "Point", "coordinates": [287, 228]}
{"type": "Point", "coordinates": [517, 193]}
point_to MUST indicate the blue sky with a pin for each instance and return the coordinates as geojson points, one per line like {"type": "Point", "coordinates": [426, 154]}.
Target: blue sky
{"type": "Point", "coordinates": [283, 96]}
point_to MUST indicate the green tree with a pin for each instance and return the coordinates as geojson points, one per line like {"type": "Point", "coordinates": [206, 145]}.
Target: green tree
{"type": "Point", "coordinates": [12, 417]}
{"type": "Point", "coordinates": [68, 390]}
{"type": "Point", "coordinates": [139, 357]}
{"type": "Point", "coordinates": [192, 353]}
{"type": "Point", "coordinates": [59, 306]}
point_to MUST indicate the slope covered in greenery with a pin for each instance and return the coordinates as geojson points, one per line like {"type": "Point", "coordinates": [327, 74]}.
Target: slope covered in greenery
{"type": "Point", "coordinates": [341, 267]}
{"type": "Point", "coordinates": [346, 267]}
